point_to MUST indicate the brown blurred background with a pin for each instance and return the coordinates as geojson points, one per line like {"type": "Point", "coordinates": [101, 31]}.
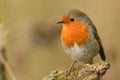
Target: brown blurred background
{"type": "Point", "coordinates": [33, 44]}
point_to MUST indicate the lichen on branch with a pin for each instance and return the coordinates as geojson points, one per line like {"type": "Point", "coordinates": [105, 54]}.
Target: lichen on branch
{"type": "Point", "coordinates": [84, 72]}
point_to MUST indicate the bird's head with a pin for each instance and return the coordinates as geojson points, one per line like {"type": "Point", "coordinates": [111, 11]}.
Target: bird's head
{"type": "Point", "coordinates": [74, 16]}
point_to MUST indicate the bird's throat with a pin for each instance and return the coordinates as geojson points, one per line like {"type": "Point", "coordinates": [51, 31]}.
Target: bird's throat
{"type": "Point", "coordinates": [74, 32]}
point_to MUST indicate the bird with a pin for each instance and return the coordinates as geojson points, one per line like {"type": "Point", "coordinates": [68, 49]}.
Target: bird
{"type": "Point", "coordinates": [79, 38]}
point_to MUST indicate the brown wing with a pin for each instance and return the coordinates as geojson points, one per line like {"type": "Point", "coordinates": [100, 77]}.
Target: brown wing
{"type": "Point", "coordinates": [101, 50]}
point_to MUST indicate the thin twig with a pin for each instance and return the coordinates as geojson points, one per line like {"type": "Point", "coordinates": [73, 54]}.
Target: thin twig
{"type": "Point", "coordinates": [7, 67]}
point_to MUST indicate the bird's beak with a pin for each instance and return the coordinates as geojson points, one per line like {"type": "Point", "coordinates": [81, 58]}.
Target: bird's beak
{"type": "Point", "coordinates": [59, 22]}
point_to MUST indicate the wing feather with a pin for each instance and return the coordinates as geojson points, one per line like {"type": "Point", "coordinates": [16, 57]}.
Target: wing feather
{"type": "Point", "coordinates": [101, 49]}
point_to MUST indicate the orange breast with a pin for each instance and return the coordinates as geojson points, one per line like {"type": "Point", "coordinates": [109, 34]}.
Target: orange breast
{"type": "Point", "coordinates": [74, 32]}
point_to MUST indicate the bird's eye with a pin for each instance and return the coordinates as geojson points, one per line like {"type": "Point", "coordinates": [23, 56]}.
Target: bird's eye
{"type": "Point", "coordinates": [72, 19]}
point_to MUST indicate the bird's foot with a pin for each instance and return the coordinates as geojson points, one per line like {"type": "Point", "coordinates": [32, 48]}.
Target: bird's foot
{"type": "Point", "coordinates": [71, 68]}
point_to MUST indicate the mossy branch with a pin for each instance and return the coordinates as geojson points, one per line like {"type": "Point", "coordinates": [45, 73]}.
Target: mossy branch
{"type": "Point", "coordinates": [84, 72]}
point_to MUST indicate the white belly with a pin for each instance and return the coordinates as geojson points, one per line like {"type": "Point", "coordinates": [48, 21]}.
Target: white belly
{"type": "Point", "coordinates": [83, 53]}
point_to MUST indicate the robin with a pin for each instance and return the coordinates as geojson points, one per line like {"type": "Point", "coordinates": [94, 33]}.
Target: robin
{"type": "Point", "coordinates": [80, 38]}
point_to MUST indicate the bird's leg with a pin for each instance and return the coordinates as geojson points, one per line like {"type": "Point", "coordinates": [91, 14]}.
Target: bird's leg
{"type": "Point", "coordinates": [91, 61]}
{"type": "Point", "coordinates": [70, 68]}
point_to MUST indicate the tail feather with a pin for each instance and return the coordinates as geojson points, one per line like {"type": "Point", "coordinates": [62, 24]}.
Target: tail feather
{"type": "Point", "coordinates": [102, 54]}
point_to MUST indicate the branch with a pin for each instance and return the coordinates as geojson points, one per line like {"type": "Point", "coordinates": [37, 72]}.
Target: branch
{"type": "Point", "coordinates": [2, 52]}
{"type": "Point", "coordinates": [3, 63]}
{"type": "Point", "coordinates": [85, 72]}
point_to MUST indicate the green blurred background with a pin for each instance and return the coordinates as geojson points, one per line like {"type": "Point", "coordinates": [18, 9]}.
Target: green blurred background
{"type": "Point", "coordinates": [33, 44]}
